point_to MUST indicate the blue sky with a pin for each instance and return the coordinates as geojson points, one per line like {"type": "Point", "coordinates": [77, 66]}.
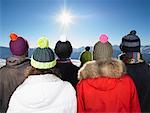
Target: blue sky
{"type": "Point", "coordinates": [33, 19]}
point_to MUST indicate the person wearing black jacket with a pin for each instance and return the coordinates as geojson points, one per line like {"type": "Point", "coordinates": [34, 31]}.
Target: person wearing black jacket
{"type": "Point", "coordinates": [137, 68]}
{"type": "Point", "coordinates": [68, 70]}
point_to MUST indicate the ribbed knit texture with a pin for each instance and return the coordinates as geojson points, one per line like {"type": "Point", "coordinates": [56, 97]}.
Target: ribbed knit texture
{"type": "Point", "coordinates": [102, 51]}
{"type": "Point", "coordinates": [130, 42]}
{"type": "Point", "coordinates": [43, 57]}
{"type": "Point", "coordinates": [19, 46]}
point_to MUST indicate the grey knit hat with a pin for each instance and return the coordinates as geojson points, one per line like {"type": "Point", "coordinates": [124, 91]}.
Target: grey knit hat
{"type": "Point", "coordinates": [130, 42]}
{"type": "Point", "coordinates": [102, 49]}
{"type": "Point", "coordinates": [43, 57]}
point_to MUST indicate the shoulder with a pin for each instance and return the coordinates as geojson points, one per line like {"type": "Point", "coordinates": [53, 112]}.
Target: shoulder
{"type": "Point", "coordinates": [69, 88]}
{"type": "Point", "coordinates": [72, 66]}
{"type": "Point", "coordinates": [83, 81]}
{"type": "Point", "coordinates": [75, 67]}
{"type": "Point", "coordinates": [67, 84]}
{"type": "Point", "coordinates": [8, 71]}
{"type": "Point", "coordinates": [126, 79]}
{"type": "Point", "coordinates": [87, 53]}
{"type": "Point", "coordinates": [2, 69]}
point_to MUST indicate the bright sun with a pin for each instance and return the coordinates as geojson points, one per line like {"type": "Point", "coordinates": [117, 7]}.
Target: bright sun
{"type": "Point", "coordinates": [65, 18]}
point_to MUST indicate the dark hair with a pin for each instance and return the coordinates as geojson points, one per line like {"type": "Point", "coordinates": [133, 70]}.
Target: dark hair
{"type": "Point", "coordinates": [30, 70]}
{"type": "Point", "coordinates": [87, 48]}
{"type": "Point", "coordinates": [63, 49]}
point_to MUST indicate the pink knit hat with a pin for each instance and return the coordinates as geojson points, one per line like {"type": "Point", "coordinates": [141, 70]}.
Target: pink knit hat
{"type": "Point", "coordinates": [18, 45]}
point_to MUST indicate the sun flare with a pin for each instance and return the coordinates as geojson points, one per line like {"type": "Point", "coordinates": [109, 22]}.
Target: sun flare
{"type": "Point", "coordinates": [65, 18]}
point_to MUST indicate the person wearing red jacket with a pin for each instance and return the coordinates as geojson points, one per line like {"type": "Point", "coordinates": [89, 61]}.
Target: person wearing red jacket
{"type": "Point", "coordinates": [104, 85]}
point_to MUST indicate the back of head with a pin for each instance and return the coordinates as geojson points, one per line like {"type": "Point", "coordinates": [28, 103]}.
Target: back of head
{"type": "Point", "coordinates": [43, 57]}
{"type": "Point", "coordinates": [103, 49]}
{"type": "Point", "coordinates": [63, 49]}
{"type": "Point", "coordinates": [18, 45]}
{"type": "Point", "coordinates": [130, 43]}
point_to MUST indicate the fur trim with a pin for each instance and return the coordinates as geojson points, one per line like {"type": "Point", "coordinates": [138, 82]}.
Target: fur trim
{"type": "Point", "coordinates": [113, 69]}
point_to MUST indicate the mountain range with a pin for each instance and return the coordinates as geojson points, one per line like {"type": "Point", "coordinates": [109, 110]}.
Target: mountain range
{"type": "Point", "coordinates": [5, 52]}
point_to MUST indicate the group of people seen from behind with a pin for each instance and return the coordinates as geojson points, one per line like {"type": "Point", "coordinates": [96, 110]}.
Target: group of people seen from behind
{"type": "Point", "coordinates": [49, 82]}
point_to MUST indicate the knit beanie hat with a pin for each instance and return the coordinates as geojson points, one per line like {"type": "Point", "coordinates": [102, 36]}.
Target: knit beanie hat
{"type": "Point", "coordinates": [63, 49]}
{"type": "Point", "coordinates": [130, 42]}
{"type": "Point", "coordinates": [18, 45]}
{"type": "Point", "coordinates": [102, 49]}
{"type": "Point", "coordinates": [43, 57]}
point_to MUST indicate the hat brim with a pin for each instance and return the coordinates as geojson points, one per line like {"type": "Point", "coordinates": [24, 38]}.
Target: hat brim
{"type": "Point", "coordinates": [42, 65]}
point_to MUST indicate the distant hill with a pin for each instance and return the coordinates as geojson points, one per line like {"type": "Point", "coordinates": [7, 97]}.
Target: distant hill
{"type": "Point", "coordinates": [77, 51]}
{"type": "Point", "coordinates": [146, 53]}
{"type": "Point", "coordinates": [5, 52]}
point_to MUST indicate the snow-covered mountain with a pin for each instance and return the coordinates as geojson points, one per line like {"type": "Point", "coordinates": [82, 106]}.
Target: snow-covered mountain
{"type": "Point", "coordinates": [146, 49]}
{"type": "Point", "coordinates": [146, 53]}
{"type": "Point", "coordinates": [5, 52]}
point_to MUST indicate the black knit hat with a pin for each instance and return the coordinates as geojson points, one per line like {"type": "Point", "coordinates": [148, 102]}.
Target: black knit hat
{"type": "Point", "coordinates": [130, 42]}
{"type": "Point", "coordinates": [43, 57]}
{"type": "Point", "coordinates": [63, 49]}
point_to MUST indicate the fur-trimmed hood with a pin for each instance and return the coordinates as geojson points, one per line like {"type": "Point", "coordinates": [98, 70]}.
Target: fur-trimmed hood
{"type": "Point", "coordinates": [93, 69]}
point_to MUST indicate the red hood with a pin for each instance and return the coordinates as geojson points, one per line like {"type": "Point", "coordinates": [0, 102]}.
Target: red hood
{"type": "Point", "coordinates": [102, 83]}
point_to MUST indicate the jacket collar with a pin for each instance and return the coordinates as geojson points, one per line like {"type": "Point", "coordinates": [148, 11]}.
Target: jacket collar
{"type": "Point", "coordinates": [111, 69]}
{"type": "Point", "coordinates": [42, 78]}
{"type": "Point", "coordinates": [65, 60]}
{"type": "Point", "coordinates": [131, 57]}
{"type": "Point", "coordinates": [15, 60]}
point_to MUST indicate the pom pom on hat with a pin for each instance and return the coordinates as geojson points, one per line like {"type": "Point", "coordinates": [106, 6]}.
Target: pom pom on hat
{"type": "Point", "coordinates": [13, 36]}
{"type": "Point", "coordinates": [103, 38]}
{"type": "Point", "coordinates": [43, 42]}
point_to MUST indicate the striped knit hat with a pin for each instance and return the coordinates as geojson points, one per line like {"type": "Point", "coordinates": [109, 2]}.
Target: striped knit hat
{"type": "Point", "coordinates": [103, 49]}
{"type": "Point", "coordinates": [130, 42]}
{"type": "Point", "coordinates": [43, 57]}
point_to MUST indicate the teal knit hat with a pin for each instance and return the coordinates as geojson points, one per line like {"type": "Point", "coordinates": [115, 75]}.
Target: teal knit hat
{"type": "Point", "coordinates": [43, 57]}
